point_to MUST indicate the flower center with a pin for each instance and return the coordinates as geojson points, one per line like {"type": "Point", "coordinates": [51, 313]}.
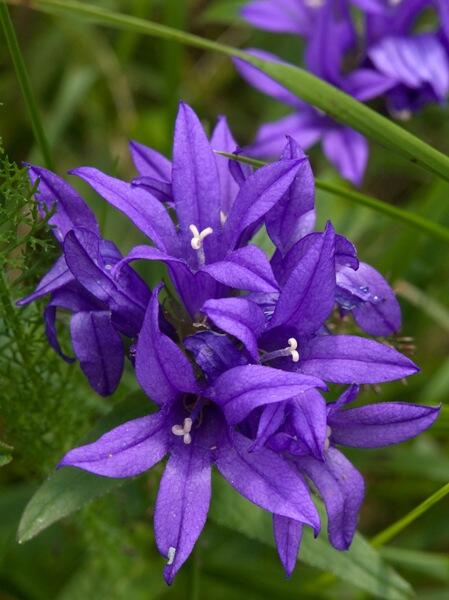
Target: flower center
{"type": "Point", "coordinates": [184, 430]}
{"type": "Point", "coordinates": [291, 350]}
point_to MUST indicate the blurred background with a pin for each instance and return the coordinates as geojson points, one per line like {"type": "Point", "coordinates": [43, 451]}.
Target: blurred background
{"type": "Point", "coordinates": [97, 88]}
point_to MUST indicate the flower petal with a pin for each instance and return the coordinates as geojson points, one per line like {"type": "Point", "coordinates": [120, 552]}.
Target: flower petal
{"type": "Point", "coordinates": [126, 451]}
{"type": "Point", "coordinates": [145, 211]}
{"type": "Point", "coordinates": [160, 189]}
{"type": "Point", "coordinates": [99, 349]}
{"type": "Point", "coordinates": [309, 420]}
{"type": "Point", "coordinates": [223, 140]}
{"type": "Point", "coordinates": [214, 353]}
{"type": "Point", "coordinates": [71, 210]}
{"type": "Point", "coordinates": [266, 479]}
{"type": "Point", "coordinates": [272, 417]}
{"type": "Point", "coordinates": [352, 359]}
{"type": "Point", "coordinates": [348, 151]}
{"type": "Point", "coordinates": [293, 216]}
{"type": "Point", "coordinates": [342, 488]}
{"type": "Point", "coordinates": [260, 192]}
{"type": "Point", "coordinates": [182, 504]}
{"type": "Point", "coordinates": [287, 535]}
{"type": "Point", "coordinates": [239, 317]}
{"type": "Point", "coordinates": [246, 269]}
{"type": "Point", "coordinates": [240, 390]}
{"type": "Point", "coordinates": [380, 424]}
{"type": "Point", "coordinates": [308, 295]}
{"type": "Point", "coordinates": [149, 162]}
{"type": "Point", "coordinates": [285, 16]}
{"type": "Point", "coordinates": [195, 179]}
{"type": "Point", "coordinates": [161, 367]}
{"type": "Point", "coordinates": [57, 277]}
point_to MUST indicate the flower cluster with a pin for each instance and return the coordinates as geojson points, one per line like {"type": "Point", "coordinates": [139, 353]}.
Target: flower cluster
{"type": "Point", "coordinates": [392, 56]}
{"type": "Point", "coordinates": [239, 367]}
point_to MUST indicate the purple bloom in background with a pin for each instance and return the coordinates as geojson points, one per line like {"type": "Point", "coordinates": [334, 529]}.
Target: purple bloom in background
{"type": "Point", "coordinates": [103, 307]}
{"type": "Point", "coordinates": [411, 69]}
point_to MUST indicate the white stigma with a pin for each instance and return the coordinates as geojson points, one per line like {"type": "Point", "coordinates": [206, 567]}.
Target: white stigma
{"type": "Point", "coordinates": [395, 2]}
{"type": "Point", "coordinates": [314, 3]}
{"type": "Point", "coordinates": [402, 115]}
{"type": "Point", "coordinates": [171, 555]}
{"type": "Point", "coordinates": [293, 345]}
{"type": "Point", "coordinates": [199, 236]}
{"type": "Point", "coordinates": [327, 441]}
{"type": "Point", "coordinates": [184, 431]}
{"type": "Point", "coordinates": [223, 217]}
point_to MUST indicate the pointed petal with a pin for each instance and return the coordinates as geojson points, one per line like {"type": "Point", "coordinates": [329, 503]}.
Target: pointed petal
{"type": "Point", "coordinates": [246, 269]}
{"type": "Point", "coordinates": [272, 417]}
{"type": "Point", "coordinates": [267, 480]}
{"type": "Point", "coordinates": [348, 396]}
{"type": "Point", "coordinates": [260, 192]}
{"type": "Point", "coordinates": [380, 424]}
{"type": "Point", "coordinates": [150, 162]}
{"type": "Point", "coordinates": [57, 277]}
{"type": "Point", "coordinates": [99, 349]}
{"type": "Point", "coordinates": [348, 151]}
{"type": "Point", "coordinates": [223, 140]}
{"type": "Point", "coordinates": [284, 16]}
{"type": "Point", "coordinates": [240, 390]}
{"type": "Point", "coordinates": [126, 451]}
{"type": "Point", "coordinates": [309, 420]}
{"type": "Point", "coordinates": [381, 314]}
{"type": "Point", "coordinates": [293, 216]}
{"type": "Point", "coordinates": [182, 504]}
{"type": "Point", "coordinates": [71, 210]}
{"type": "Point", "coordinates": [214, 353]}
{"type": "Point", "coordinates": [308, 295]}
{"type": "Point", "coordinates": [287, 535]}
{"type": "Point", "coordinates": [52, 334]}
{"type": "Point", "coordinates": [365, 84]}
{"type": "Point", "coordinates": [160, 189]}
{"type": "Point", "coordinates": [162, 369]}
{"type": "Point", "coordinates": [342, 488]}
{"type": "Point", "coordinates": [352, 359]}
{"type": "Point", "coordinates": [83, 257]}
{"type": "Point", "coordinates": [195, 179]}
{"type": "Point", "coordinates": [145, 211]}
{"type": "Point", "coordinates": [239, 317]}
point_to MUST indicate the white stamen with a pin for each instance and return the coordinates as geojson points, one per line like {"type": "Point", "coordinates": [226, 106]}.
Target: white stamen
{"type": "Point", "coordinates": [314, 3]}
{"type": "Point", "coordinates": [395, 2]}
{"type": "Point", "coordinates": [223, 217]}
{"type": "Point", "coordinates": [198, 236]}
{"type": "Point", "coordinates": [184, 430]}
{"type": "Point", "coordinates": [291, 350]}
{"type": "Point", "coordinates": [293, 344]}
{"type": "Point", "coordinates": [171, 555]}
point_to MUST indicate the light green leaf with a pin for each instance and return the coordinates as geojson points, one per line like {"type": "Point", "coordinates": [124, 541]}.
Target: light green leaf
{"type": "Point", "coordinates": [223, 11]}
{"type": "Point", "coordinates": [361, 565]}
{"type": "Point", "coordinates": [69, 489]}
{"type": "Point", "coordinates": [431, 564]}
{"type": "Point", "coordinates": [304, 85]}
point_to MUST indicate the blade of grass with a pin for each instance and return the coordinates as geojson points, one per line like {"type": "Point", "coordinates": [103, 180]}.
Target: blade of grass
{"type": "Point", "coordinates": [393, 530]}
{"type": "Point", "coordinates": [409, 218]}
{"type": "Point", "coordinates": [334, 102]}
{"type": "Point", "coordinates": [25, 85]}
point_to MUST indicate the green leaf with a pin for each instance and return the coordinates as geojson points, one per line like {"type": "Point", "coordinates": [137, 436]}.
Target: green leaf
{"type": "Point", "coordinates": [431, 564]}
{"type": "Point", "coordinates": [5, 453]}
{"type": "Point", "coordinates": [338, 105]}
{"type": "Point", "coordinates": [68, 490]}
{"type": "Point", "coordinates": [361, 565]}
{"type": "Point", "coordinates": [224, 12]}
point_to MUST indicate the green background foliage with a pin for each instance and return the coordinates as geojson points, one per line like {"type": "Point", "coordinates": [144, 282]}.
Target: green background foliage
{"type": "Point", "coordinates": [96, 87]}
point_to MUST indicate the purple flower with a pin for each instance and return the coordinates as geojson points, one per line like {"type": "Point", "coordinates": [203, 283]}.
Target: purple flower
{"type": "Point", "coordinates": [103, 307]}
{"type": "Point", "coordinates": [190, 427]}
{"type": "Point", "coordinates": [206, 252]}
{"type": "Point", "coordinates": [337, 481]}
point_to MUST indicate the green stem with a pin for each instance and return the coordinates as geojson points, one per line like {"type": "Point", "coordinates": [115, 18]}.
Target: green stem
{"type": "Point", "coordinates": [337, 104]}
{"type": "Point", "coordinates": [392, 531]}
{"type": "Point", "coordinates": [25, 84]}
{"type": "Point", "coordinates": [412, 219]}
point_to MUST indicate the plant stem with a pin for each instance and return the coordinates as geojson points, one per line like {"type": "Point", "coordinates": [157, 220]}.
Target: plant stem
{"type": "Point", "coordinates": [25, 84]}
{"type": "Point", "coordinates": [390, 532]}
{"type": "Point", "coordinates": [194, 575]}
